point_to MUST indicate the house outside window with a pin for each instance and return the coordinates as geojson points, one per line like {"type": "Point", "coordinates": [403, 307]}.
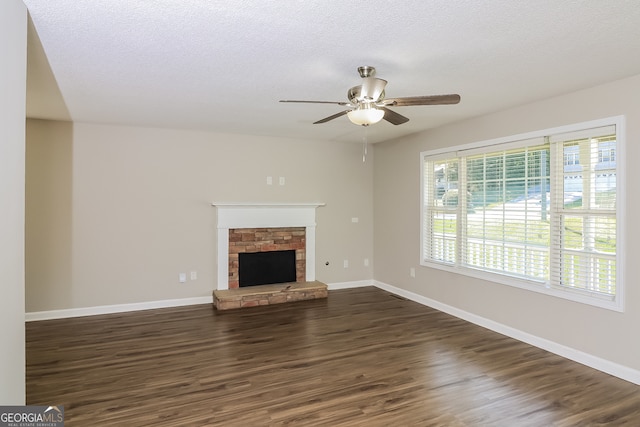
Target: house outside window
{"type": "Point", "coordinates": [607, 152]}
{"type": "Point", "coordinates": [536, 211]}
{"type": "Point", "coordinates": [571, 156]}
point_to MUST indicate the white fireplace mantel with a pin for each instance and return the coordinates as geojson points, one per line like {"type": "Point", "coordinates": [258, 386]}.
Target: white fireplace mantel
{"type": "Point", "coordinates": [264, 215]}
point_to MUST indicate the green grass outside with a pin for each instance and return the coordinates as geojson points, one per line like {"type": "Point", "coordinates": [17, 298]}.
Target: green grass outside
{"type": "Point", "coordinates": [534, 232]}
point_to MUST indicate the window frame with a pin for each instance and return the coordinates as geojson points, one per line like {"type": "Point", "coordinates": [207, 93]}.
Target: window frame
{"type": "Point", "coordinates": [487, 146]}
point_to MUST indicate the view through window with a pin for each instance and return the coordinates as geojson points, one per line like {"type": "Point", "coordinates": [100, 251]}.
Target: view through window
{"type": "Point", "coordinates": [538, 211]}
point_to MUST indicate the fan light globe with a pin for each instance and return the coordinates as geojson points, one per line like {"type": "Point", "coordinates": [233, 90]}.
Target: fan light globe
{"type": "Point", "coordinates": [366, 116]}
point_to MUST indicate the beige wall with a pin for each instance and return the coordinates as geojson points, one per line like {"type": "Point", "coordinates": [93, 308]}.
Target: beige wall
{"type": "Point", "coordinates": [599, 332]}
{"type": "Point", "coordinates": [13, 45]}
{"type": "Point", "coordinates": [115, 213]}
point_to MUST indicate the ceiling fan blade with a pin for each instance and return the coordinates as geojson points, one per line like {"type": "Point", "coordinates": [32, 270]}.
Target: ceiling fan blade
{"type": "Point", "coordinates": [317, 102]}
{"type": "Point", "coordinates": [393, 117]}
{"type": "Point", "coordinates": [423, 100]}
{"type": "Point", "coordinates": [335, 116]}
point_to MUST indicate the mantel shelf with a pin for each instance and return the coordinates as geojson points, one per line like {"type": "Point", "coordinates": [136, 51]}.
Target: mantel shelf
{"type": "Point", "coordinates": [266, 205]}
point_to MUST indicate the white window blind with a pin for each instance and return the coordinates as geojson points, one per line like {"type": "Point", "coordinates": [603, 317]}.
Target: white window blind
{"type": "Point", "coordinates": [584, 253]}
{"type": "Point", "coordinates": [506, 229]}
{"type": "Point", "coordinates": [522, 210]}
{"type": "Point", "coordinates": [442, 215]}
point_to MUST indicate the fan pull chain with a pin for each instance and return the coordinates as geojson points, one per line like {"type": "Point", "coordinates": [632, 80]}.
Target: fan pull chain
{"type": "Point", "coordinates": [365, 145]}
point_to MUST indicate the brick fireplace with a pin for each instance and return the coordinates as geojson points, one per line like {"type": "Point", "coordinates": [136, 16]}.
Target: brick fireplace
{"type": "Point", "coordinates": [255, 227]}
{"type": "Point", "coordinates": [264, 227]}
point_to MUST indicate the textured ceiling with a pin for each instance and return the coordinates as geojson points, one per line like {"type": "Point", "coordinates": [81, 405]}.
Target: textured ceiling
{"type": "Point", "coordinates": [223, 65]}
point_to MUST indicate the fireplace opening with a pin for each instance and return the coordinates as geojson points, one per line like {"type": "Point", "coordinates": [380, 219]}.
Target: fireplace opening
{"type": "Point", "coordinates": [265, 268]}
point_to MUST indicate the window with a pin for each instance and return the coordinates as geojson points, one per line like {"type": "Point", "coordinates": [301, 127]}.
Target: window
{"type": "Point", "coordinates": [571, 157]}
{"type": "Point", "coordinates": [537, 211]}
{"type": "Point", "coordinates": [607, 153]}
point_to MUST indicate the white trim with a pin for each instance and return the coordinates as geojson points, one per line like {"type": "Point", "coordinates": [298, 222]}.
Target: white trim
{"type": "Point", "coordinates": [254, 215]}
{"type": "Point", "coordinates": [349, 285]}
{"type": "Point", "coordinates": [266, 205]}
{"type": "Point", "coordinates": [604, 365]}
{"type": "Point", "coordinates": [583, 134]}
{"type": "Point", "coordinates": [514, 144]}
{"type": "Point", "coordinates": [264, 215]}
{"type": "Point", "coordinates": [531, 285]}
{"type": "Point", "coordinates": [310, 252]}
{"type": "Point", "coordinates": [150, 305]}
{"type": "Point", "coordinates": [524, 136]}
{"type": "Point", "coordinates": [621, 209]}
{"type": "Point", "coordinates": [109, 309]}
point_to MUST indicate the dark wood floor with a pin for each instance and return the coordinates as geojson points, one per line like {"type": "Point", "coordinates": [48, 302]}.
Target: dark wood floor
{"type": "Point", "coordinates": [362, 357]}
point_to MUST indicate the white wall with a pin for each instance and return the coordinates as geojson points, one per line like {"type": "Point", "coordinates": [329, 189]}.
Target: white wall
{"type": "Point", "coordinates": [115, 213]}
{"type": "Point", "coordinates": [605, 334]}
{"type": "Point", "coordinates": [13, 45]}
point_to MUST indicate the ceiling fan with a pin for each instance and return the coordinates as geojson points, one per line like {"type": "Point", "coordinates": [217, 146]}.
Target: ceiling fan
{"type": "Point", "coordinates": [367, 103]}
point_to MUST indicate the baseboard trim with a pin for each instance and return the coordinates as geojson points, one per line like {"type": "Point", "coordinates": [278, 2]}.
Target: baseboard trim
{"type": "Point", "coordinates": [348, 285]}
{"type": "Point", "coordinates": [604, 365]}
{"type": "Point", "coordinates": [110, 309]}
{"type": "Point", "coordinates": [122, 308]}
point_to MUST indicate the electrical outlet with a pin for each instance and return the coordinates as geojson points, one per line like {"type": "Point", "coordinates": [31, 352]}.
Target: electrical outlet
{"type": "Point", "coordinates": [412, 272]}
{"type": "Point", "coordinates": [269, 180]}
{"type": "Point", "coordinates": [194, 275]}
{"type": "Point", "coordinates": [281, 180]}
{"type": "Point", "coordinates": [346, 263]}
{"type": "Point", "coordinates": [366, 262]}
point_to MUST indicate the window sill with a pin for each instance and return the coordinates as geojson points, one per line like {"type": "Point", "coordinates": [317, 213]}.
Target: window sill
{"type": "Point", "coordinates": [579, 296]}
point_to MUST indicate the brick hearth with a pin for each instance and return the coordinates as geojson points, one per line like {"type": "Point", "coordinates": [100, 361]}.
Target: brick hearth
{"type": "Point", "coordinates": [252, 296]}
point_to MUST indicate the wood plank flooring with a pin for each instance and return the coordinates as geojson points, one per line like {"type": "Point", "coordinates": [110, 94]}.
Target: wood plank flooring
{"type": "Point", "coordinates": [362, 357]}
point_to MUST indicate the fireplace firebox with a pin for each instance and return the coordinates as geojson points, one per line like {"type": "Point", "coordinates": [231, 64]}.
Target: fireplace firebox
{"type": "Point", "coordinates": [266, 268]}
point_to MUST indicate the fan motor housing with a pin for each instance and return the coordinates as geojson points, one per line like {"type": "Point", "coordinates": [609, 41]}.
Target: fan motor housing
{"type": "Point", "coordinates": [371, 90]}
